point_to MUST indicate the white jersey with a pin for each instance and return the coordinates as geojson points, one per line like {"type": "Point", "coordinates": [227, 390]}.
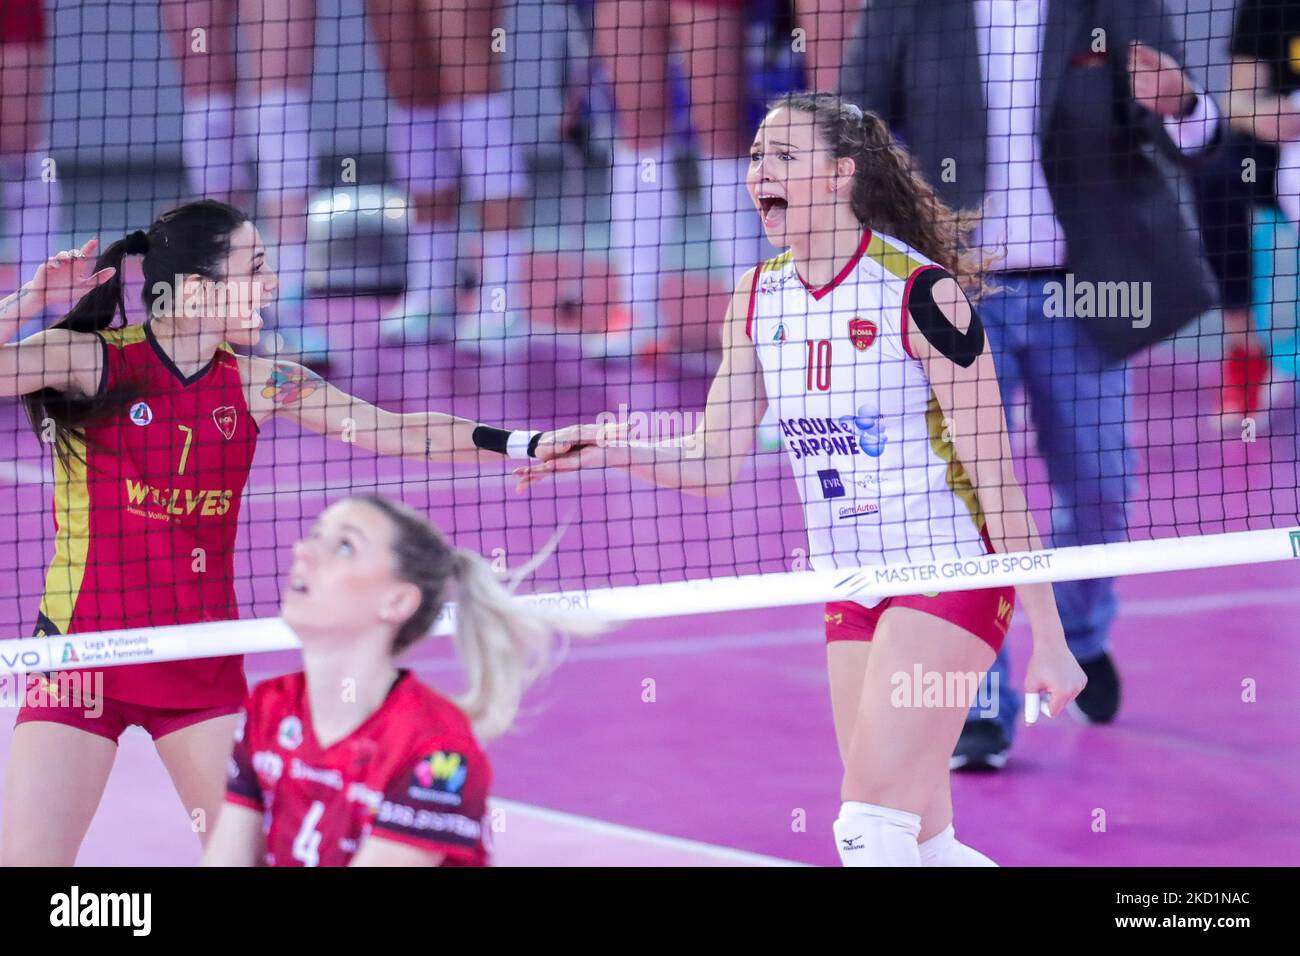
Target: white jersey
{"type": "Point", "coordinates": [880, 480]}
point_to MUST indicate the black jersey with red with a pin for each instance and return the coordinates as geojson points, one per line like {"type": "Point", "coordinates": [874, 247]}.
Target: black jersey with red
{"type": "Point", "coordinates": [412, 772]}
{"type": "Point", "coordinates": [146, 517]}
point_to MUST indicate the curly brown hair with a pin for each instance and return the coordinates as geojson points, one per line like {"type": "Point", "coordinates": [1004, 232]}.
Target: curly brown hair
{"type": "Point", "coordinates": [889, 193]}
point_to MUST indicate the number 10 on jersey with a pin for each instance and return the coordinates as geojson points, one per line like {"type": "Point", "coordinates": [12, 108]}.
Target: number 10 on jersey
{"type": "Point", "coordinates": [819, 365]}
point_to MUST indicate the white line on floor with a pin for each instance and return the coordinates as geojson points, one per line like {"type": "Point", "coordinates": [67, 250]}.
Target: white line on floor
{"type": "Point", "coordinates": [648, 837]}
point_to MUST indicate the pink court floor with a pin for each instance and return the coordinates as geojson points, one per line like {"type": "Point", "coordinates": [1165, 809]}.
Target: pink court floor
{"type": "Point", "coordinates": [734, 761]}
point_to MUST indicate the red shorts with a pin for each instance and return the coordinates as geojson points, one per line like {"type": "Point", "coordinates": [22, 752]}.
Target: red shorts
{"type": "Point", "coordinates": [107, 717]}
{"type": "Point", "coordinates": [22, 21]}
{"type": "Point", "coordinates": [985, 613]}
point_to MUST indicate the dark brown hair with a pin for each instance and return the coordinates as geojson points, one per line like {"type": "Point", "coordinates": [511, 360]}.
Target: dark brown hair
{"type": "Point", "coordinates": [889, 193]}
{"type": "Point", "coordinates": [190, 239]}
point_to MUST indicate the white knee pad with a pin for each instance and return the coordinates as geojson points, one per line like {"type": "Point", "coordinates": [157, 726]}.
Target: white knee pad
{"type": "Point", "coordinates": [491, 165]}
{"type": "Point", "coordinates": [871, 835]}
{"type": "Point", "coordinates": [276, 131]}
{"type": "Point", "coordinates": [425, 146]}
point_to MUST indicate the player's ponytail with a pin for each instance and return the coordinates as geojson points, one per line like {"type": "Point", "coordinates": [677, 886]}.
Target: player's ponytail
{"type": "Point", "coordinates": [193, 239]}
{"type": "Point", "coordinates": [889, 193]}
{"type": "Point", "coordinates": [504, 644]}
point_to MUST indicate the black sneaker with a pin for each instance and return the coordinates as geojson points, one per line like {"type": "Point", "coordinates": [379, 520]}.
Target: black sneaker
{"type": "Point", "coordinates": [983, 745]}
{"type": "Point", "coordinates": [1098, 702]}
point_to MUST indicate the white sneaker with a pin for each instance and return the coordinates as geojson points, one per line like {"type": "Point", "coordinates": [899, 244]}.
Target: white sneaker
{"type": "Point", "coordinates": [417, 320]}
{"type": "Point", "coordinates": [306, 344]}
{"type": "Point", "coordinates": [490, 334]}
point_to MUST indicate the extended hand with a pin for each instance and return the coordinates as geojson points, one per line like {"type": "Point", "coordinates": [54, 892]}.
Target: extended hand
{"type": "Point", "coordinates": [67, 276]}
{"type": "Point", "coordinates": [1157, 81]}
{"type": "Point", "coordinates": [567, 449]}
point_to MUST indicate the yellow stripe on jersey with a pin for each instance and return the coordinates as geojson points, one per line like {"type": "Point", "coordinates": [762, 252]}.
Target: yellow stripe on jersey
{"type": "Point", "coordinates": [71, 542]}
{"type": "Point", "coordinates": [777, 262]}
{"type": "Point", "coordinates": [127, 335]}
{"type": "Point", "coordinates": [892, 259]}
{"type": "Point", "coordinates": [958, 478]}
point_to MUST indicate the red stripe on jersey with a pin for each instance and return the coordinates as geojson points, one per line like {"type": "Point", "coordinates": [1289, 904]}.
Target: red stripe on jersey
{"type": "Point", "coordinates": [904, 321]}
{"type": "Point", "coordinates": [753, 292]}
{"type": "Point", "coordinates": [844, 273]}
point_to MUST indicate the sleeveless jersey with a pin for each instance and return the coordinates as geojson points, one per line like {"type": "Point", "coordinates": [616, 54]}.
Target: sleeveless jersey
{"type": "Point", "coordinates": [145, 527]}
{"type": "Point", "coordinates": [879, 479]}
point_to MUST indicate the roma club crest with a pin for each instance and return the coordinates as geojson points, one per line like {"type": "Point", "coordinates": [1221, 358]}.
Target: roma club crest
{"type": "Point", "coordinates": [862, 332]}
{"type": "Point", "coordinates": [225, 419]}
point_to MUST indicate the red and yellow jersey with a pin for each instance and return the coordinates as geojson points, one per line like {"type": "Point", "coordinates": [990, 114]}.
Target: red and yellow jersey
{"type": "Point", "coordinates": [412, 772]}
{"type": "Point", "coordinates": [145, 526]}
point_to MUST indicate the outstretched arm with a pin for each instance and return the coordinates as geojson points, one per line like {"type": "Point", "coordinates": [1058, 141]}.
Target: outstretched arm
{"type": "Point", "coordinates": [704, 462]}
{"type": "Point", "coordinates": [288, 390]}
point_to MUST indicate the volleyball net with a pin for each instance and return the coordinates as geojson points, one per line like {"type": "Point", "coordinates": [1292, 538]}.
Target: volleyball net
{"type": "Point", "coordinates": [584, 273]}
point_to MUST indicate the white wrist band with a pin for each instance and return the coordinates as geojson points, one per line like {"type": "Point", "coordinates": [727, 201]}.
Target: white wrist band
{"type": "Point", "coordinates": [518, 442]}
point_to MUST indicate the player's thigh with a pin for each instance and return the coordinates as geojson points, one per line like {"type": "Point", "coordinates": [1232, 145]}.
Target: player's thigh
{"type": "Point", "coordinates": [202, 37]}
{"type": "Point", "coordinates": [196, 759]}
{"type": "Point", "coordinates": [22, 96]}
{"type": "Point", "coordinates": [921, 678]}
{"type": "Point", "coordinates": [468, 51]}
{"type": "Point", "coordinates": [846, 665]}
{"type": "Point", "coordinates": [54, 780]}
{"type": "Point", "coordinates": [401, 30]}
{"type": "Point", "coordinates": [279, 38]}
{"type": "Point", "coordinates": [632, 44]}
{"type": "Point", "coordinates": [712, 37]}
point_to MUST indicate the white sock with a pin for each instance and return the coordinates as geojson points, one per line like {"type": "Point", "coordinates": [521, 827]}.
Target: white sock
{"type": "Point", "coordinates": [214, 165]}
{"type": "Point", "coordinates": [424, 144]}
{"type": "Point", "coordinates": [276, 131]}
{"type": "Point", "coordinates": [734, 223]}
{"type": "Point", "coordinates": [32, 208]}
{"type": "Point", "coordinates": [942, 849]}
{"type": "Point", "coordinates": [431, 260]}
{"type": "Point", "coordinates": [492, 165]}
{"type": "Point", "coordinates": [499, 272]}
{"type": "Point", "coordinates": [643, 218]}
{"type": "Point", "coordinates": [870, 835]}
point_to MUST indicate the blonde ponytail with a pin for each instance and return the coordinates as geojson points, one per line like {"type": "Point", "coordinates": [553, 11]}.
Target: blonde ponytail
{"type": "Point", "coordinates": [504, 644]}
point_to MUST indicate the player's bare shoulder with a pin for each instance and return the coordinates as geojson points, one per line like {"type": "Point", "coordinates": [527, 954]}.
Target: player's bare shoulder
{"type": "Point", "coordinates": [271, 385]}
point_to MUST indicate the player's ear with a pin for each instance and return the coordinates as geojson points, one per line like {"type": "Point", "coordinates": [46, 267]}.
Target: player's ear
{"type": "Point", "coordinates": [400, 601]}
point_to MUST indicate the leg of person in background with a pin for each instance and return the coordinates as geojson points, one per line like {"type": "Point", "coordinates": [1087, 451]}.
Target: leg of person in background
{"type": "Point", "coordinates": [1223, 207]}
{"type": "Point", "coordinates": [986, 738]}
{"type": "Point", "coordinates": [280, 36]}
{"type": "Point", "coordinates": [645, 198]}
{"type": "Point", "coordinates": [31, 189]}
{"type": "Point", "coordinates": [492, 172]}
{"type": "Point", "coordinates": [424, 146]}
{"type": "Point", "coordinates": [215, 166]}
{"type": "Point", "coordinates": [714, 39]}
{"type": "Point", "coordinates": [825, 23]}
{"type": "Point", "coordinates": [1079, 399]}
